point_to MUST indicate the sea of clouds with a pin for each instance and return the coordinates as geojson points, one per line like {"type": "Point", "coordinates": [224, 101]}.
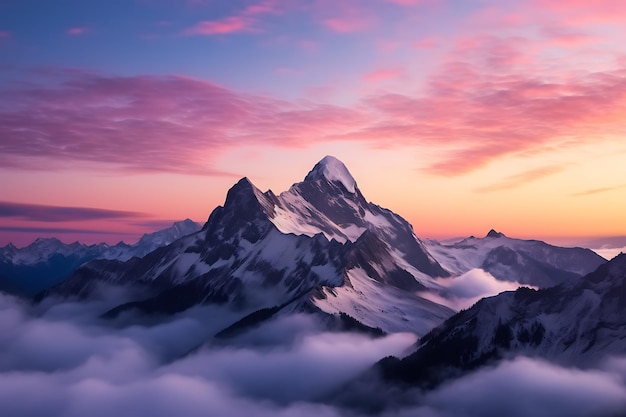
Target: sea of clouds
{"type": "Point", "coordinates": [61, 360]}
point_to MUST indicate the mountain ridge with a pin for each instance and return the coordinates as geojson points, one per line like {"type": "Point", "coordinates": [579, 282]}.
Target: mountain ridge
{"type": "Point", "coordinates": [47, 261]}
{"type": "Point", "coordinates": [576, 323]}
{"type": "Point", "coordinates": [320, 242]}
{"type": "Point", "coordinates": [259, 250]}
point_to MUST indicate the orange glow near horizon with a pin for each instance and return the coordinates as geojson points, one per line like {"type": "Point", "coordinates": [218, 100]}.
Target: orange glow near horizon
{"type": "Point", "coordinates": [503, 115]}
{"type": "Point", "coordinates": [584, 198]}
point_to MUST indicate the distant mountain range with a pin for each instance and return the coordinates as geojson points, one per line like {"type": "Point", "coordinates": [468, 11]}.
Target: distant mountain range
{"type": "Point", "coordinates": [529, 262]}
{"type": "Point", "coordinates": [46, 262]}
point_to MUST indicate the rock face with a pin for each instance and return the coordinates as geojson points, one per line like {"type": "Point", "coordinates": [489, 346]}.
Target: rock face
{"type": "Point", "coordinates": [577, 323]}
{"type": "Point", "coordinates": [320, 246]}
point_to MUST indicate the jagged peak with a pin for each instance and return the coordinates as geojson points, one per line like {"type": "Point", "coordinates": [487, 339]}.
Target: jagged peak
{"type": "Point", "coordinates": [40, 241]}
{"type": "Point", "coordinates": [243, 182]}
{"type": "Point", "coordinates": [333, 170]}
{"type": "Point", "coordinates": [494, 234]}
{"type": "Point", "coordinates": [243, 187]}
{"type": "Point", "coordinates": [185, 221]}
{"type": "Point", "coordinates": [185, 225]}
{"type": "Point", "coordinates": [245, 195]}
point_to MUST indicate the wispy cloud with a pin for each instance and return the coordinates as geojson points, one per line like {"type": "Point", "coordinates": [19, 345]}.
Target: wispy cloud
{"type": "Point", "coordinates": [522, 178]}
{"type": "Point", "coordinates": [43, 213]}
{"type": "Point", "coordinates": [599, 190]}
{"type": "Point", "coordinates": [347, 24]}
{"type": "Point", "coordinates": [584, 11]}
{"type": "Point", "coordinates": [247, 20]}
{"type": "Point", "coordinates": [383, 74]}
{"type": "Point", "coordinates": [76, 31]}
{"type": "Point", "coordinates": [231, 24]}
{"type": "Point", "coordinates": [488, 102]}
{"type": "Point", "coordinates": [407, 3]}
{"type": "Point", "coordinates": [566, 36]}
{"type": "Point", "coordinates": [4, 34]}
{"type": "Point", "coordinates": [148, 124]}
{"type": "Point", "coordinates": [492, 95]}
{"type": "Point", "coordinates": [57, 230]}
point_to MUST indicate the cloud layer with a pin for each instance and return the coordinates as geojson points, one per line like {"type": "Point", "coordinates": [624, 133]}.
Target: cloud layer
{"type": "Point", "coordinates": [179, 124]}
{"type": "Point", "coordinates": [465, 290]}
{"type": "Point", "coordinates": [60, 360]}
{"type": "Point", "coordinates": [43, 213]}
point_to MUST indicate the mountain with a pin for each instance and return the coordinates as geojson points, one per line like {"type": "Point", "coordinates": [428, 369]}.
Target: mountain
{"type": "Point", "coordinates": [48, 261]}
{"type": "Point", "coordinates": [529, 262]}
{"type": "Point", "coordinates": [152, 241]}
{"type": "Point", "coordinates": [578, 323]}
{"type": "Point", "coordinates": [318, 247]}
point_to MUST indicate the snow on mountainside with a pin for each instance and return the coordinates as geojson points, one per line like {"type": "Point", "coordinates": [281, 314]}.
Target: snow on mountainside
{"type": "Point", "coordinates": [577, 323]}
{"type": "Point", "coordinates": [322, 247]}
{"type": "Point", "coordinates": [529, 262]}
{"type": "Point", "coordinates": [318, 247]}
{"type": "Point", "coordinates": [328, 201]}
{"type": "Point", "coordinates": [47, 261]}
{"type": "Point", "coordinates": [152, 241]}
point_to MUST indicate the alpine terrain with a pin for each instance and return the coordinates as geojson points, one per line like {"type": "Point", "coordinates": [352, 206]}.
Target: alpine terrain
{"type": "Point", "coordinates": [321, 248]}
{"type": "Point", "coordinates": [47, 261]}
{"type": "Point", "coordinates": [579, 323]}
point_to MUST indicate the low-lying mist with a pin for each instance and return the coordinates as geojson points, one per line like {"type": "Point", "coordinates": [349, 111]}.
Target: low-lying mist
{"type": "Point", "coordinates": [61, 360]}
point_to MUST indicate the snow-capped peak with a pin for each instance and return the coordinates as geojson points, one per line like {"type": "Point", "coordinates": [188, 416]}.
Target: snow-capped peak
{"type": "Point", "coordinates": [333, 170]}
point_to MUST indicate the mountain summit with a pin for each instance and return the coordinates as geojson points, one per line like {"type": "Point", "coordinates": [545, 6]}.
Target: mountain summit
{"type": "Point", "coordinates": [494, 234]}
{"type": "Point", "coordinates": [318, 247]}
{"type": "Point", "coordinates": [333, 170]}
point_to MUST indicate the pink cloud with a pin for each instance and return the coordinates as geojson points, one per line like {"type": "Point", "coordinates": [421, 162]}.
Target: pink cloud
{"type": "Point", "coordinates": [483, 116]}
{"type": "Point", "coordinates": [247, 20]}
{"type": "Point", "coordinates": [147, 123]}
{"type": "Point", "coordinates": [232, 24]}
{"type": "Point", "coordinates": [76, 31]}
{"type": "Point", "coordinates": [5, 34]}
{"type": "Point", "coordinates": [347, 16]}
{"type": "Point", "coordinates": [496, 18]}
{"type": "Point", "coordinates": [382, 75]}
{"type": "Point", "coordinates": [568, 37]}
{"type": "Point", "coordinates": [347, 24]}
{"type": "Point", "coordinates": [179, 124]}
{"type": "Point", "coordinates": [495, 52]}
{"type": "Point", "coordinates": [491, 96]}
{"type": "Point", "coordinates": [584, 11]}
{"type": "Point", "coordinates": [407, 3]}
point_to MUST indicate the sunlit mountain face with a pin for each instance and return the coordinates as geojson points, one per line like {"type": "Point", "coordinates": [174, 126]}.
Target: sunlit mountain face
{"type": "Point", "coordinates": [333, 296]}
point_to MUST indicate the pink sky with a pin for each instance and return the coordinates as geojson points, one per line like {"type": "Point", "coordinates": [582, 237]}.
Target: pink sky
{"type": "Point", "coordinates": [459, 115]}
